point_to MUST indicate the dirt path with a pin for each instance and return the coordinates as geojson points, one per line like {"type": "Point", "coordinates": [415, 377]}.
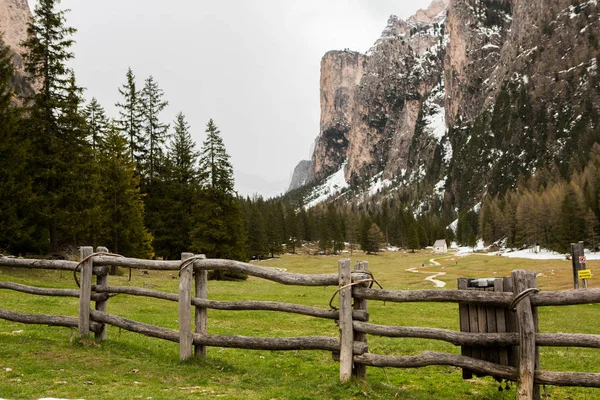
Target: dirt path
{"type": "Point", "coordinates": [430, 278]}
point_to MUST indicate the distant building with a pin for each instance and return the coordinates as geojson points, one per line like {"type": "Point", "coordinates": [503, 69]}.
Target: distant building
{"type": "Point", "coordinates": [440, 246]}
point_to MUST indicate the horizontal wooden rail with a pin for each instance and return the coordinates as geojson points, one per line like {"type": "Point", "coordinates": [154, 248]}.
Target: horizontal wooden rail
{"type": "Point", "coordinates": [268, 273]}
{"type": "Point", "coordinates": [135, 263]}
{"type": "Point", "coordinates": [454, 337]}
{"type": "Point", "coordinates": [243, 342]}
{"type": "Point", "coordinates": [286, 278]}
{"type": "Point", "coordinates": [44, 319]}
{"type": "Point", "coordinates": [566, 297]}
{"type": "Point", "coordinates": [478, 339]}
{"type": "Point", "coordinates": [428, 358]}
{"type": "Point", "coordinates": [497, 299]}
{"type": "Point", "coordinates": [48, 291]}
{"type": "Point", "coordinates": [232, 305]}
{"type": "Point", "coordinates": [59, 265]}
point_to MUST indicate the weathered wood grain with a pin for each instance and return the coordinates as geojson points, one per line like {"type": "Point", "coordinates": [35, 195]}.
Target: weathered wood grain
{"type": "Point", "coordinates": [444, 296]}
{"type": "Point", "coordinates": [243, 342]}
{"type": "Point", "coordinates": [44, 319]}
{"type": "Point", "coordinates": [48, 291]}
{"type": "Point", "coordinates": [101, 305]}
{"type": "Point", "coordinates": [201, 313]}
{"type": "Point", "coordinates": [185, 309]}
{"type": "Point", "coordinates": [482, 367]}
{"type": "Point", "coordinates": [525, 380]}
{"type": "Point", "coordinates": [359, 370]}
{"type": "Point", "coordinates": [59, 265]}
{"type": "Point", "coordinates": [85, 292]}
{"type": "Point", "coordinates": [345, 321]}
{"type": "Point", "coordinates": [249, 305]}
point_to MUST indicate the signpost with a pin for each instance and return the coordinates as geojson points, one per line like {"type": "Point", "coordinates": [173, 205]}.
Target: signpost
{"type": "Point", "coordinates": [584, 274]}
{"type": "Point", "coordinates": [578, 260]}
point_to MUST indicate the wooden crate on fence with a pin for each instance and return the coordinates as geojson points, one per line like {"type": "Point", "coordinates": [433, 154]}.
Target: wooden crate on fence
{"type": "Point", "coordinates": [487, 319]}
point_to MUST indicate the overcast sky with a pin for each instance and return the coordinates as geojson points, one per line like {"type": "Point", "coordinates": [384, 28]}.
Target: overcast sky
{"type": "Point", "coordinates": [251, 65]}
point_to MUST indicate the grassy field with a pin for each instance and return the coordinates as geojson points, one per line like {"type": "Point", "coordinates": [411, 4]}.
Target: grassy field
{"type": "Point", "coordinates": [39, 361]}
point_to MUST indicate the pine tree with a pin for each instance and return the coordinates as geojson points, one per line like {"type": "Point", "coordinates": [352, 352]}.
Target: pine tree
{"type": "Point", "coordinates": [374, 239]}
{"type": "Point", "coordinates": [15, 185]}
{"type": "Point", "coordinates": [47, 54]}
{"type": "Point", "coordinates": [123, 229]}
{"type": "Point", "coordinates": [219, 226]}
{"type": "Point", "coordinates": [170, 217]}
{"type": "Point", "coordinates": [97, 123]}
{"type": "Point", "coordinates": [215, 169]}
{"type": "Point", "coordinates": [155, 131]}
{"type": "Point", "coordinates": [131, 117]}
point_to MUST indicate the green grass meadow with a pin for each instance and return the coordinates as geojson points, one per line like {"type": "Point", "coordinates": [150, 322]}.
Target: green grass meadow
{"type": "Point", "coordinates": [39, 361]}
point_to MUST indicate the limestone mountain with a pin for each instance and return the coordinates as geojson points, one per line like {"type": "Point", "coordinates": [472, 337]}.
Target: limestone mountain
{"type": "Point", "coordinates": [14, 17]}
{"type": "Point", "coordinates": [461, 100]}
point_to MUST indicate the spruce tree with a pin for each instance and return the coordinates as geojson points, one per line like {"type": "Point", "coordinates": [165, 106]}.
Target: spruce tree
{"type": "Point", "coordinates": [123, 229]}
{"type": "Point", "coordinates": [215, 169]}
{"type": "Point", "coordinates": [52, 124]}
{"type": "Point", "coordinates": [182, 154]}
{"type": "Point", "coordinates": [97, 123]}
{"type": "Point", "coordinates": [172, 219]}
{"type": "Point", "coordinates": [219, 226]}
{"type": "Point", "coordinates": [15, 185]}
{"type": "Point", "coordinates": [375, 239]}
{"type": "Point", "coordinates": [155, 131]}
{"type": "Point", "coordinates": [131, 117]}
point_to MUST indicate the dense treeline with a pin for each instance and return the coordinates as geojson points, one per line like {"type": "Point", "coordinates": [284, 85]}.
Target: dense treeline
{"type": "Point", "coordinates": [70, 175]}
{"type": "Point", "coordinates": [547, 210]}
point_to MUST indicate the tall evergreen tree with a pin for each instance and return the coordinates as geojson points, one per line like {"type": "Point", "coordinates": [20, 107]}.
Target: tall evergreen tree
{"type": "Point", "coordinates": [155, 130]}
{"type": "Point", "coordinates": [215, 169]}
{"type": "Point", "coordinates": [15, 185]}
{"type": "Point", "coordinates": [219, 226]}
{"type": "Point", "coordinates": [123, 229]}
{"type": "Point", "coordinates": [54, 125]}
{"type": "Point", "coordinates": [97, 123]}
{"type": "Point", "coordinates": [131, 117]}
{"type": "Point", "coordinates": [171, 219]}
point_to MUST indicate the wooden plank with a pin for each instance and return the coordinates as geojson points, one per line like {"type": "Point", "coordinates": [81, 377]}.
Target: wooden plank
{"type": "Point", "coordinates": [185, 310]}
{"type": "Point", "coordinates": [360, 371]}
{"type": "Point", "coordinates": [500, 323]}
{"type": "Point", "coordinates": [511, 323]}
{"type": "Point", "coordinates": [531, 283]}
{"type": "Point", "coordinates": [526, 337]}
{"type": "Point", "coordinates": [482, 322]}
{"type": "Point", "coordinates": [463, 314]}
{"type": "Point", "coordinates": [85, 292]}
{"type": "Point", "coordinates": [346, 330]}
{"type": "Point", "coordinates": [101, 305]}
{"type": "Point", "coordinates": [492, 352]}
{"type": "Point", "coordinates": [201, 313]}
{"type": "Point", "coordinates": [474, 326]}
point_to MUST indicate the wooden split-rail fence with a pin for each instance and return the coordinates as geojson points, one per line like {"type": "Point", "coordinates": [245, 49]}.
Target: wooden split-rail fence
{"type": "Point", "coordinates": [354, 291]}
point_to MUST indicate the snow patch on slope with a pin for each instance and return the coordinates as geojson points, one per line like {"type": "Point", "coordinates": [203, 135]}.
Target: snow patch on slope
{"type": "Point", "coordinates": [334, 184]}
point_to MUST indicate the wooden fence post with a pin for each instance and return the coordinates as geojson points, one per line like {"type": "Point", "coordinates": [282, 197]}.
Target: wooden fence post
{"type": "Point", "coordinates": [527, 350]}
{"type": "Point", "coordinates": [102, 305]}
{"type": "Point", "coordinates": [185, 309]}
{"type": "Point", "coordinates": [360, 370]}
{"type": "Point", "coordinates": [85, 292]}
{"type": "Point", "coordinates": [201, 280]}
{"type": "Point", "coordinates": [346, 330]}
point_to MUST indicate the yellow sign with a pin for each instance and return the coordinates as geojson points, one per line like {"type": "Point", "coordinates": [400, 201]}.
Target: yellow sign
{"type": "Point", "coordinates": [585, 273]}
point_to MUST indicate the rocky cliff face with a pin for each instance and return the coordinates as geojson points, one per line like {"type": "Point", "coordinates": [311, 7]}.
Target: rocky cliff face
{"type": "Point", "coordinates": [464, 99]}
{"type": "Point", "coordinates": [341, 72]}
{"type": "Point", "coordinates": [300, 177]}
{"type": "Point", "coordinates": [14, 17]}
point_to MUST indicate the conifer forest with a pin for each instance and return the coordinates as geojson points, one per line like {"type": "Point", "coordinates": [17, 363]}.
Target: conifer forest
{"type": "Point", "coordinates": [71, 175]}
